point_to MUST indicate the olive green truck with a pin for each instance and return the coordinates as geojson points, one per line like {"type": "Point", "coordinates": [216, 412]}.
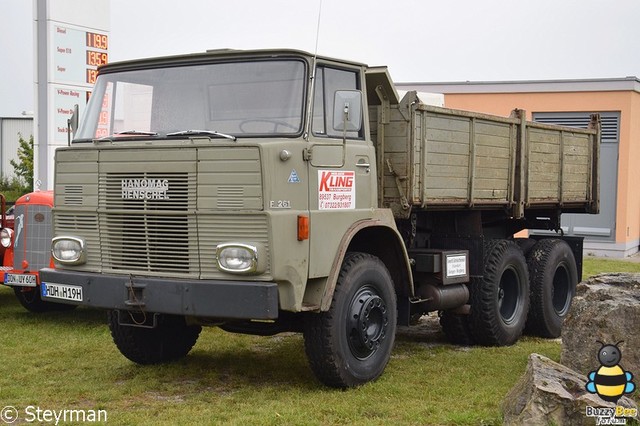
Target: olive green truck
{"type": "Point", "coordinates": [273, 191]}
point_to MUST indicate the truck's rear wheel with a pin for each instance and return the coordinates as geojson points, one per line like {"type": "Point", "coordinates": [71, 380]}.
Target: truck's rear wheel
{"type": "Point", "coordinates": [500, 300]}
{"type": "Point", "coordinates": [170, 340]}
{"type": "Point", "coordinates": [553, 278]}
{"type": "Point", "coordinates": [351, 343]}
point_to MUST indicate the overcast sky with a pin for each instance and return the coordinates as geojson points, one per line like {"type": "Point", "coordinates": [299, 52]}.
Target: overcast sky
{"type": "Point", "coordinates": [420, 40]}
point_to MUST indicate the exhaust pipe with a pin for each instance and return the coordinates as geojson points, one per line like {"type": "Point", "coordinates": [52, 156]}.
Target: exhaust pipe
{"type": "Point", "coordinates": [443, 297]}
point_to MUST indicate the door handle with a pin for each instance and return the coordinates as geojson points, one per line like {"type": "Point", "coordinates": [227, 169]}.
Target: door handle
{"type": "Point", "coordinates": [363, 165]}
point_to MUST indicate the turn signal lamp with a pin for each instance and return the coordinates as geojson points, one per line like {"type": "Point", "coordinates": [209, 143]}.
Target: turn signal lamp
{"type": "Point", "coordinates": [303, 227]}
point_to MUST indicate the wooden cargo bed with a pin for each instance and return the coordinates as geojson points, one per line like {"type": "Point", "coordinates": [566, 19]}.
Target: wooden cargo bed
{"type": "Point", "coordinates": [438, 159]}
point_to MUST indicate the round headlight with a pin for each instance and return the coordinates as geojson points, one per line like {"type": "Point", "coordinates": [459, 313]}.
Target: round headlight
{"type": "Point", "coordinates": [68, 250]}
{"type": "Point", "coordinates": [6, 235]}
{"type": "Point", "coordinates": [238, 258]}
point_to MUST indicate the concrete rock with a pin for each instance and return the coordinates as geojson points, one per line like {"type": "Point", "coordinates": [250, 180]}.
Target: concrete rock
{"type": "Point", "coordinates": [606, 308]}
{"type": "Point", "coordinates": [550, 393]}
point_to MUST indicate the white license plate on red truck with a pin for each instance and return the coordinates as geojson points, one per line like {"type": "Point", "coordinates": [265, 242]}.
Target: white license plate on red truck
{"type": "Point", "coordinates": [61, 291]}
{"type": "Point", "coordinates": [21, 280]}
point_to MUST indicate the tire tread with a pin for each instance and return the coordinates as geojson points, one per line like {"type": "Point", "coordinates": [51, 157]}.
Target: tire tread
{"type": "Point", "coordinates": [540, 256]}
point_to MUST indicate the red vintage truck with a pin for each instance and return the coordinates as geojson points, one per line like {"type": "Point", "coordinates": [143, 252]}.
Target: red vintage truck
{"type": "Point", "coordinates": [26, 248]}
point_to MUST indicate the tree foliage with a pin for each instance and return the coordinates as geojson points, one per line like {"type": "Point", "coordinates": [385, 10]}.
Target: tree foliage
{"type": "Point", "coordinates": [24, 166]}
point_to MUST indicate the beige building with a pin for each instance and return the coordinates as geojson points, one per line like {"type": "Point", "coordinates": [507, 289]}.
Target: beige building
{"type": "Point", "coordinates": [615, 232]}
{"type": "Point", "coordinates": [10, 130]}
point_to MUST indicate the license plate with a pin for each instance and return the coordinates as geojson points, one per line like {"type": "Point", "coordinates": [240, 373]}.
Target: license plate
{"type": "Point", "coordinates": [61, 291]}
{"type": "Point", "coordinates": [21, 280]}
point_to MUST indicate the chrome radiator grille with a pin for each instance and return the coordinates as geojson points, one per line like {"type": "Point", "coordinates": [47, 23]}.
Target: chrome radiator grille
{"type": "Point", "coordinates": [32, 236]}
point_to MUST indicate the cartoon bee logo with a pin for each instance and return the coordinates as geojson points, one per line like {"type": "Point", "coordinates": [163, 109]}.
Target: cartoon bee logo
{"type": "Point", "coordinates": [610, 381]}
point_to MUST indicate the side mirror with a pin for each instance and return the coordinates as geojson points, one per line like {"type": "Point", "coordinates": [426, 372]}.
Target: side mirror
{"type": "Point", "coordinates": [347, 110]}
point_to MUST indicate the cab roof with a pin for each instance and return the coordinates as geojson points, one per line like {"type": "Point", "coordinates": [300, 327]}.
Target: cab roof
{"type": "Point", "coordinates": [211, 55]}
{"type": "Point", "coordinates": [376, 76]}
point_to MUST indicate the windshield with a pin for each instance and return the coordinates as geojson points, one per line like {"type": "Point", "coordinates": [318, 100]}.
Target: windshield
{"type": "Point", "coordinates": [259, 98]}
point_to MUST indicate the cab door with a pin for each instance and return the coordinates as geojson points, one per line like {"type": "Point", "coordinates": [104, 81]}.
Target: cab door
{"type": "Point", "coordinates": [342, 188]}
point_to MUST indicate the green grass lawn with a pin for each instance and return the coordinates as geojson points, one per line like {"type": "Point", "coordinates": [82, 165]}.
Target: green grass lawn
{"type": "Point", "coordinates": [67, 360]}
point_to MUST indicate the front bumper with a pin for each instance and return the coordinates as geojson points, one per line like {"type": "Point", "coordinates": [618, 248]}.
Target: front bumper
{"type": "Point", "coordinates": [201, 298]}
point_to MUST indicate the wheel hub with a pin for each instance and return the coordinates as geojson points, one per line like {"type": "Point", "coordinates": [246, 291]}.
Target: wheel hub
{"type": "Point", "coordinates": [367, 323]}
{"type": "Point", "coordinates": [509, 296]}
{"type": "Point", "coordinates": [561, 290]}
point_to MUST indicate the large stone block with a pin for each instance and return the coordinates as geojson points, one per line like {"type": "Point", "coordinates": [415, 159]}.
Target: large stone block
{"type": "Point", "coordinates": [606, 308]}
{"type": "Point", "coordinates": [550, 393]}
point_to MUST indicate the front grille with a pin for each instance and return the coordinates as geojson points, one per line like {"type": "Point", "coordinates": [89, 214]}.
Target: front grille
{"type": "Point", "coordinates": [147, 222]}
{"type": "Point", "coordinates": [150, 243]}
{"type": "Point", "coordinates": [32, 236]}
{"type": "Point", "coordinates": [159, 212]}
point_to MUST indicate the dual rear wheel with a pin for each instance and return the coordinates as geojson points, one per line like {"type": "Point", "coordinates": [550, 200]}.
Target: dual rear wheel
{"type": "Point", "coordinates": [553, 276]}
{"type": "Point", "coordinates": [517, 293]}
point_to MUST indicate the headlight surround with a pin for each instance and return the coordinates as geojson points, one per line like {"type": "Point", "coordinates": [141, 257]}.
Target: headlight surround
{"type": "Point", "coordinates": [68, 250]}
{"type": "Point", "coordinates": [240, 258]}
{"type": "Point", "coordinates": [6, 237]}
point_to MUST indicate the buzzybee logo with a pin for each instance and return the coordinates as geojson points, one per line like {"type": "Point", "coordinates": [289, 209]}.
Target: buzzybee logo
{"type": "Point", "coordinates": [610, 381]}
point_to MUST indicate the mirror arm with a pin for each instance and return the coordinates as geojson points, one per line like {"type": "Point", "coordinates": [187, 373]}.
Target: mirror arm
{"type": "Point", "coordinates": [72, 124]}
{"type": "Point", "coordinates": [68, 131]}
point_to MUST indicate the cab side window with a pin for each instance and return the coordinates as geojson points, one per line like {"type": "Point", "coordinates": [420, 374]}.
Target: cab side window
{"type": "Point", "coordinates": [328, 80]}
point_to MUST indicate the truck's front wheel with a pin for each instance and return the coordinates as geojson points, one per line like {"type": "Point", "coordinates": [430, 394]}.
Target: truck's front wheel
{"type": "Point", "coordinates": [170, 340]}
{"type": "Point", "coordinates": [351, 343]}
{"type": "Point", "coordinates": [500, 299]}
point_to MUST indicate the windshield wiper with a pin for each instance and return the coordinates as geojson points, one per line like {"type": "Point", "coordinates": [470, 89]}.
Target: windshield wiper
{"type": "Point", "coordinates": [136, 132]}
{"type": "Point", "coordinates": [129, 133]}
{"type": "Point", "coordinates": [202, 132]}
